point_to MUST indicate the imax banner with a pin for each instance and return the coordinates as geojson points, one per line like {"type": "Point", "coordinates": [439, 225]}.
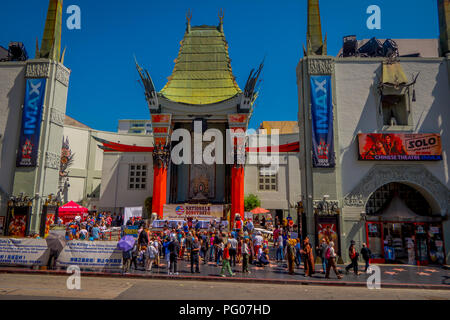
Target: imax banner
{"type": "Point", "coordinates": [322, 122]}
{"type": "Point", "coordinates": [31, 123]}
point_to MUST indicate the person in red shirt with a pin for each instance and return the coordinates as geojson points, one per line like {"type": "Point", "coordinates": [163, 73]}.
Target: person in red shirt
{"type": "Point", "coordinates": [226, 261]}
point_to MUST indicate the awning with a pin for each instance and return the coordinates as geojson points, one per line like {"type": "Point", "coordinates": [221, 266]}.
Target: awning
{"type": "Point", "coordinates": [397, 210]}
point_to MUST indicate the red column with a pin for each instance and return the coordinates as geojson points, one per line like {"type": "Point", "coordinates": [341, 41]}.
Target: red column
{"type": "Point", "coordinates": [163, 191]}
{"type": "Point", "coordinates": [156, 189]}
{"type": "Point", "coordinates": [240, 202]}
{"type": "Point", "coordinates": [237, 193]}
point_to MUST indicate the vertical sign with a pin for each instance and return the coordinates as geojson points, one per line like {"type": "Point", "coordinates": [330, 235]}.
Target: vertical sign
{"type": "Point", "coordinates": [31, 123]}
{"type": "Point", "coordinates": [322, 122]}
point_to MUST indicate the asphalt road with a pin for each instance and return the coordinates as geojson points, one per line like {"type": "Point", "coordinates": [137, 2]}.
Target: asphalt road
{"type": "Point", "coordinates": [20, 286]}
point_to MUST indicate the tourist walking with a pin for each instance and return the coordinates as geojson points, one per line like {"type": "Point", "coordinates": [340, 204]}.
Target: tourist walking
{"type": "Point", "coordinates": [226, 261]}
{"type": "Point", "coordinates": [309, 258]}
{"type": "Point", "coordinates": [233, 250]}
{"type": "Point", "coordinates": [195, 250]}
{"type": "Point", "coordinates": [245, 255]}
{"type": "Point", "coordinates": [330, 254]}
{"type": "Point", "coordinates": [298, 253]}
{"type": "Point", "coordinates": [204, 245]}
{"type": "Point", "coordinates": [174, 248]}
{"type": "Point", "coordinates": [279, 251]}
{"type": "Point", "coordinates": [152, 253]}
{"type": "Point", "coordinates": [366, 253]}
{"type": "Point", "coordinates": [290, 255]}
{"type": "Point", "coordinates": [353, 255]}
{"type": "Point", "coordinates": [321, 252]}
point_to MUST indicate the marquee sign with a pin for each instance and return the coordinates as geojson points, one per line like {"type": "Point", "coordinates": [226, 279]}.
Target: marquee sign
{"type": "Point", "coordinates": [400, 146]}
{"type": "Point", "coordinates": [322, 122]}
{"type": "Point", "coordinates": [197, 211]}
{"type": "Point", "coordinates": [31, 123]}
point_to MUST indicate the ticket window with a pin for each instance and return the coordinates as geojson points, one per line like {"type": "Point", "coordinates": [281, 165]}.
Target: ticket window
{"type": "Point", "coordinates": [374, 240]}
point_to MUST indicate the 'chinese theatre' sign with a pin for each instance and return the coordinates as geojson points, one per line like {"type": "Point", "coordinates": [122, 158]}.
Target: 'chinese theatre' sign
{"type": "Point", "coordinates": [31, 123]}
{"type": "Point", "coordinates": [400, 146]}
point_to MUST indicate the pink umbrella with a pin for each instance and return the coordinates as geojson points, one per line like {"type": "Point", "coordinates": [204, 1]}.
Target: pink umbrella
{"type": "Point", "coordinates": [70, 210]}
{"type": "Point", "coordinates": [259, 210]}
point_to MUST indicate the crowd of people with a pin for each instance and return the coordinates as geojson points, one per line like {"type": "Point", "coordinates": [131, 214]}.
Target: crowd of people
{"type": "Point", "coordinates": [243, 245]}
{"type": "Point", "coordinates": [91, 228]}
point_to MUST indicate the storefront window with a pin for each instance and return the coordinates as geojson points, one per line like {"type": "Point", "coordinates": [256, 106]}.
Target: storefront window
{"type": "Point", "coordinates": [436, 244]}
{"type": "Point", "coordinates": [374, 240]}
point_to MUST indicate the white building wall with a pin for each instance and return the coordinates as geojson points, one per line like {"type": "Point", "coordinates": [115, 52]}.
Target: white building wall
{"type": "Point", "coordinates": [357, 107]}
{"type": "Point", "coordinates": [115, 193]}
{"type": "Point", "coordinates": [12, 91]}
{"type": "Point", "coordinates": [88, 170]}
{"type": "Point", "coordinates": [289, 189]}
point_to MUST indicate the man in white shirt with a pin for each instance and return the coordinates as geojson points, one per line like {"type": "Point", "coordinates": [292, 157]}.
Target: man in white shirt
{"type": "Point", "coordinates": [257, 242]}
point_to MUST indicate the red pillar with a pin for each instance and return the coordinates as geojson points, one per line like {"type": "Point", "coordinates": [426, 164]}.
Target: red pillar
{"type": "Point", "coordinates": [163, 191]}
{"type": "Point", "coordinates": [156, 189]}
{"type": "Point", "coordinates": [237, 193]}
{"type": "Point", "coordinates": [240, 202]}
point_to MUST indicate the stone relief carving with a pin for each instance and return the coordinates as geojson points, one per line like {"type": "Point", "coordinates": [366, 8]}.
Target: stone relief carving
{"type": "Point", "coordinates": [381, 175]}
{"type": "Point", "coordinates": [62, 75]}
{"type": "Point", "coordinates": [37, 70]}
{"type": "Point", "coordinates": [57, 117]}
{"type": "Point", "coordinates": [320, 66]}
{"type": "Point", "coordinates": [52, 160]}
{"type": "Point", "coordinates": [329, 207]}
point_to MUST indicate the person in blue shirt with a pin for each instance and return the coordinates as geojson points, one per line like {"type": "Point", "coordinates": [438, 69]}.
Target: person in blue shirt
{"type": "Point", "coordinates": [95, 232]}
{"type": "Point", "coordinates": [167, 253]}
{"type": "Point", "coordinates": [298, 255]}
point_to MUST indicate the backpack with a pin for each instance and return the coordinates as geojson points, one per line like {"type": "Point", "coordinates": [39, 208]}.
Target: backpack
{"type": "Point", "coordinates": [328, 253]}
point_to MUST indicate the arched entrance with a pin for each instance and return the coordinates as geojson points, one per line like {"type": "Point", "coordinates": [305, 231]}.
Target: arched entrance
{"type": "Point", "coordinates": [401, 227]}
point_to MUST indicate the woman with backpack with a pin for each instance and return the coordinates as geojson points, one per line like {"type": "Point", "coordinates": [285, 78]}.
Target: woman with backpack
{"type": "Point", "coordinates": [353, 254]}
{"type": "Point", "coordinates": [330, 254]}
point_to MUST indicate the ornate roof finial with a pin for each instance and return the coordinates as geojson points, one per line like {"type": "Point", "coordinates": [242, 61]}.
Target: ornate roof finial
{"type": "Point", "coordinates": [221, 15]}
{"type": "Point", "coordinates": [314, 42]}
{"type": "Point", "coordinates": [188, 21]}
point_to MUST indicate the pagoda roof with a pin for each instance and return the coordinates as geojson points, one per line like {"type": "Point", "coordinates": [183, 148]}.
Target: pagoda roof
{"type": "Point", "coordinates": [202, 73]}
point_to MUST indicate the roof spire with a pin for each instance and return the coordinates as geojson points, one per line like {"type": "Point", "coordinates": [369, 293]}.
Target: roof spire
{"type": "Point", "coordinates": [188, 20]}
{"type": "Point", "coordinates": [221, 15]}
{"type": "Point", "coordinates": [315, 45]}
{"type": "Point", "coordinates": [444, 26]}
{"type": "Point", "coordinates": [51, 40]}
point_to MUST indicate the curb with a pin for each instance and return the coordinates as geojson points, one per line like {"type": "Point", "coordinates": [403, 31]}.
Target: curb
{"type": "Point", "coordinates": [229, 279]}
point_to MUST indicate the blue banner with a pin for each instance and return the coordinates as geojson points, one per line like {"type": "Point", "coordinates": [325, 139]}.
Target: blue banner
{"type": "Point", "coordinates": [322, 122]}
{"type": "Point", "coordinates": [31, 123]}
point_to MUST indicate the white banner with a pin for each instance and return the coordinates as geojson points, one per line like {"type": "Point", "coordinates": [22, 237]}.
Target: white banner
{"type": "Point", "coordinates": [131, 212]}
{"type": "Point", "coordinates": [91, 254]}
{"type": "Point", "coordinates": [23, 251]}
{"type": "Point", "coordinates": [199, 211]}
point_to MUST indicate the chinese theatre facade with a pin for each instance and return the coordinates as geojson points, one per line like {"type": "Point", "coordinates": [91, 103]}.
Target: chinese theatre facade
{"type": "Point", "coordinates": [200, 94]}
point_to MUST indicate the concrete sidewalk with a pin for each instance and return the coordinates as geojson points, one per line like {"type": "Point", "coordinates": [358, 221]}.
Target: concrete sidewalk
{"type": "Point", "coordinates": [392, 276]}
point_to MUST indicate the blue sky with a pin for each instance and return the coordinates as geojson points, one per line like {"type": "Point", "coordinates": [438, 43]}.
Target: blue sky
{"type": "Point", "coordinates": [104, 82]}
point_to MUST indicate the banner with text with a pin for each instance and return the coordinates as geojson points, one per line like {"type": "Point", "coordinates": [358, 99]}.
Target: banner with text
{"type": "Point", "coordinates": [31, 123]}
{"type": "Point", "coordinates": [91, 254]}
{"type": "Point", "coordinates": [23, 252]}
{"type": "Point", "coordinates": [400, 146]}
{"type": "Point", "coordinates": [322, 122]}
{"type": "Point", "coordinates": [197, 211]}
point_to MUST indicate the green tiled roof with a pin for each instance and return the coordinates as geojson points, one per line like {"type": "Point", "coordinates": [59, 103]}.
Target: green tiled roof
{"type": "Point", "coordinates": [202, 72]}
